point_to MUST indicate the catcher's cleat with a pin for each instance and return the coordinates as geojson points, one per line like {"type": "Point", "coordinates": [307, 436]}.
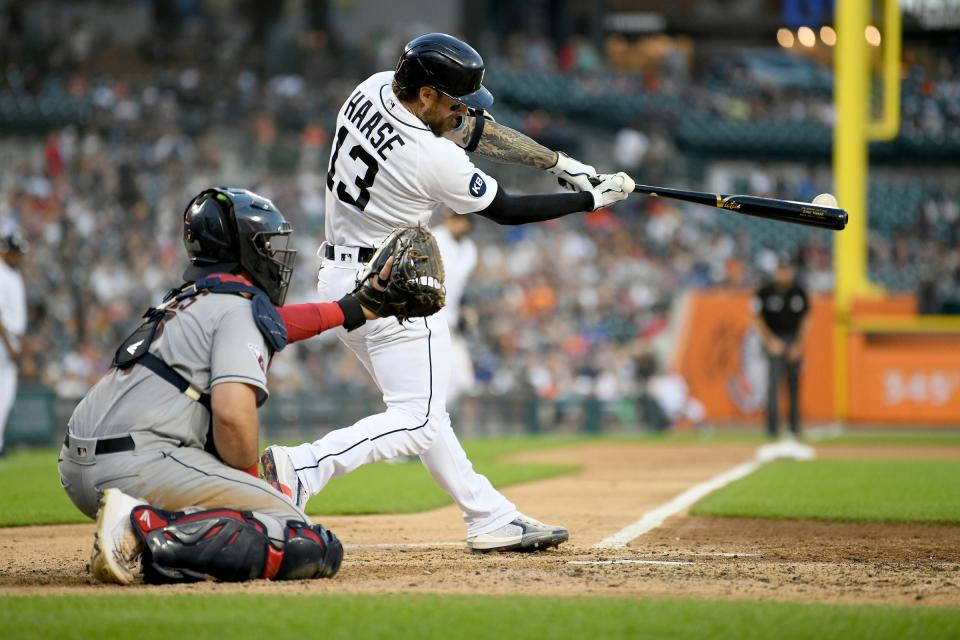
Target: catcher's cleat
{"type": "Point", "coordinates": [116, 550]}
{"type": "Point", "coordinates": [522, 534]}
{"type": "Point", "coordinates": [279, 473]}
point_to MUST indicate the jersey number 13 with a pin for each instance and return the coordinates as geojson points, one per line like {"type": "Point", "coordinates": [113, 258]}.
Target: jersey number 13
{"type": "Point", "coordinates": [363, 183]}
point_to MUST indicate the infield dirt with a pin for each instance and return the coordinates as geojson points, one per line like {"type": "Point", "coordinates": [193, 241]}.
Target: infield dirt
{"type": "Point", "coordinates": [687, 556]}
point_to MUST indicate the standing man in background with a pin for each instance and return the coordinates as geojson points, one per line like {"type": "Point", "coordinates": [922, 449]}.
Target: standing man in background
{"type": "Point", "coordinates": [781, 315]}
{"type": "Point", "coordinates": [459, 254]}
{"type": "Point", "coordinates": [13, 322]}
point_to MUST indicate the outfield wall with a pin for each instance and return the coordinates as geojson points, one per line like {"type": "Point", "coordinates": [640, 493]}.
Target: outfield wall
{"type": "Point", "coordinates": [903, 369]}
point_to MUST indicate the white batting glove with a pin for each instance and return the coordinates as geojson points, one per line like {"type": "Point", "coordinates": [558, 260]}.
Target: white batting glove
{"type": "Point", "coordinates": [612, 188]}
{"type": "Point", "coordinates": [572, 174]}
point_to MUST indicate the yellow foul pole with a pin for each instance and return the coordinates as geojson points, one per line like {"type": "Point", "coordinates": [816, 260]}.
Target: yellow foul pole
{"type": "Point", "coordinates": [852, 100]}
{"type": "Point", "coordinates": [850, 155]}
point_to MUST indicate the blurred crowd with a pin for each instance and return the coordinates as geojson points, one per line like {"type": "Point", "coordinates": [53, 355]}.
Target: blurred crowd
{"type": "Point", "coordinates": [566, 308]}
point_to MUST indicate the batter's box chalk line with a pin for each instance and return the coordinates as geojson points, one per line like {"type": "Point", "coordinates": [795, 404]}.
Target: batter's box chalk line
{"type": "Point", "coordinates": [653, 519]}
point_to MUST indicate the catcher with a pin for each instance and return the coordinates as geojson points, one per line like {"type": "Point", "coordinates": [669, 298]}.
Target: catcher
{"type": "Point", "coordinates": [174, 422]}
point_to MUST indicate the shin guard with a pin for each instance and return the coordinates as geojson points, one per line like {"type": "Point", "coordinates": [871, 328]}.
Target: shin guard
{"type": "Point", "coordinates": [223, 544]}
{"type": "Point", "coordinates": [309, 552]}
{"type": "Point", "coordinates": [231, 546]}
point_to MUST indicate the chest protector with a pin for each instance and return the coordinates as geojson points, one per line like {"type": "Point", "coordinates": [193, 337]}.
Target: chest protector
{"type": "Point", "coordinates": [136, 348]}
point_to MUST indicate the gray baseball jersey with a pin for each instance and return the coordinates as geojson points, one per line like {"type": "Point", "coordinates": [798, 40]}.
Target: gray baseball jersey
{"type": "Point", "coordinates": [208, 339]}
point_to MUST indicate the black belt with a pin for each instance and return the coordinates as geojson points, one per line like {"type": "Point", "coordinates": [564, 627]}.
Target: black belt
{"type": "Point", "coordinates": [363, 253]}
{"type": "Point", "coordinates": [108, 445]}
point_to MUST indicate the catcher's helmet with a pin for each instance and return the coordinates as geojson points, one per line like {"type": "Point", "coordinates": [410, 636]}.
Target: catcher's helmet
{"type": "Point", "coordinates": [450, 66]}
{"type": "Point", "coordinates": [225, 228]}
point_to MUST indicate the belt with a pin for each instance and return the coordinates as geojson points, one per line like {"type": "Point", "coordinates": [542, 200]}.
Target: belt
{"type": "Point", "coordinates": [108, 445]}
{"type": "Point", "coordinates": [363, 253]}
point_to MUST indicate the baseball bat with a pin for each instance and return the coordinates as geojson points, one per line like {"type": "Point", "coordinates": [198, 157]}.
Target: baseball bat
{"type": "Point", "coordinates": [813, 215]}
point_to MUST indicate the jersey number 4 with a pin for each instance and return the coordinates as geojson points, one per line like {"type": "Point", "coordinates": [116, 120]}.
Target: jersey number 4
{"type": "Point", "coordinates": [363, 183]}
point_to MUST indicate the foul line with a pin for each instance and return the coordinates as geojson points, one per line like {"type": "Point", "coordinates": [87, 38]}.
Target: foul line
{"type": "Point", "coordinates": [653, 519]}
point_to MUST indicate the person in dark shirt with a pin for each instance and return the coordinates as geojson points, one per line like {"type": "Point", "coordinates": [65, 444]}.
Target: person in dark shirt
{"type": "Point", "coordinates": [781, 315]}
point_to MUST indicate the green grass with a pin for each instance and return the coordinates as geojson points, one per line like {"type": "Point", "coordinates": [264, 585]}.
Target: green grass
{"type": "Point", "coordinates": [888, 437]}
{"type": "Point", "coordinates": [32, 492]}
{"type": "Point", "coordinates": [879, 491]}
{"type": "Point", "coordinates": [408, 487]}
{"type": "Point", "coordinates": [422, 616]}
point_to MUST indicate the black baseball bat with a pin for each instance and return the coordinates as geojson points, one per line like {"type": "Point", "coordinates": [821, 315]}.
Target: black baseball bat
{"type": "Point", "coordinates": [813, 215]}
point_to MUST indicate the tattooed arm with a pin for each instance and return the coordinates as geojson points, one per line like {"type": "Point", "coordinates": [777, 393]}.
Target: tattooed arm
{"type": "Point", "coordinates": [502, 144]}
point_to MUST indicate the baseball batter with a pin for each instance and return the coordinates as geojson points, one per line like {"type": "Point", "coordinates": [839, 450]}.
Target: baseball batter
{"type": "Point", "coordinates": [13, 323]}
{"type": "Point", "coordinates": [398, 153]}
{"type": "Point", "coordinates": [175, 423]}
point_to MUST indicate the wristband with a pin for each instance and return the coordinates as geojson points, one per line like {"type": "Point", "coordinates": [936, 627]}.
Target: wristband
{"type": "Point", "coordinates": [352, 312]}
{"type": "Point", "coordinates": [478, 121]}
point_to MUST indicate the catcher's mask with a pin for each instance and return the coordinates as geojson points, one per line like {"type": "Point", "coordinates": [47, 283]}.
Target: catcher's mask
{"type": "Point", "coordinates": [447, 64]}
{"type": "Point", "coordinates": [225, 229]}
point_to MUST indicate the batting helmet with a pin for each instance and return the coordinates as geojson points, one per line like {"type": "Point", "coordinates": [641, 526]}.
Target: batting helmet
{"type": "Point", "coordinates": [450, 66]}
{"type": "Point", "coordinates": [225, 228]}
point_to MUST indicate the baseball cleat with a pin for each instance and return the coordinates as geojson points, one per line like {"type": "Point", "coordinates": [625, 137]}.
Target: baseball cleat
{"type": "Point", "coordinates": [521, 534]}
{"type": "Point", "coordinates": [116, 550]}
{"type": "Point", "coordinates": [279, 473]}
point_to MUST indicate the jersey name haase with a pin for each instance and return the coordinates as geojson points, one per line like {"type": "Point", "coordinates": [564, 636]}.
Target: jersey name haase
{"type": "Point", "coordinates": [360, 111]}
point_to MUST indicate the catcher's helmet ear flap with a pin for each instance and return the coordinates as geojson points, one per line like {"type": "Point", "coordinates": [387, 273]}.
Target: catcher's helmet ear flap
{"type": "Point", "coordinates": [447, 64]}
{"type": "Point", "coordinates": [225, 228]}
{"type": "Point", "coordinates": [209, 235]}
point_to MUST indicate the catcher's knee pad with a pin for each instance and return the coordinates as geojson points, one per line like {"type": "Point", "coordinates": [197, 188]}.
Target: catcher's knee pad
{"type": "Point", "coordinates": [223, 544]}
{"type": "Point", "coordinates": [309, 552]}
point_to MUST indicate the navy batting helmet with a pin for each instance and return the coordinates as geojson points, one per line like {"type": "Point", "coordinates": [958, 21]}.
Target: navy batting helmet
{"type": "Point", "coordinates": [447, 64]}
{"type": "Point", "coordinates": [227, 228]}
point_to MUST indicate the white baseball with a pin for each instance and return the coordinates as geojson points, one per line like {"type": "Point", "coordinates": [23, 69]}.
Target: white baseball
{"type": "Point", "coordinates": [628, 184]}
{"type": "Point", "coordinates": [826, 199]}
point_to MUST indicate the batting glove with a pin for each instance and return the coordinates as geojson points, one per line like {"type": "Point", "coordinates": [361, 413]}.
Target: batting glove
{"type": "Point", "coordinates": [572, 174]}
{"type": "Point", "coordinates": [612, 188]}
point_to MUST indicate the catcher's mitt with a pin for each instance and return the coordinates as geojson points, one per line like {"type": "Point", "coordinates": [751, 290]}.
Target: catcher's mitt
{"type": "Point", "coordinates": [415, 286]}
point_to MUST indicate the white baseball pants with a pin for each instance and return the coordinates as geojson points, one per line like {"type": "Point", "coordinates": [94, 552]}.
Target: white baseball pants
{"type": "Point", "coordinates": [8, 393]}
{"type": "Point", "coordinates": [411, 365]}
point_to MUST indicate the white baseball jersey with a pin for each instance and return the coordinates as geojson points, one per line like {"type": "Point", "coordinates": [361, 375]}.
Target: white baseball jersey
{"type": "Point", "coordinates": [459, 260]}
{"type": "Point", "coordinates": [13, 308]}
{"type": "Point", "coordinates": [13, 317]}
{"type": "Point", "coordinates": [387, 168]}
